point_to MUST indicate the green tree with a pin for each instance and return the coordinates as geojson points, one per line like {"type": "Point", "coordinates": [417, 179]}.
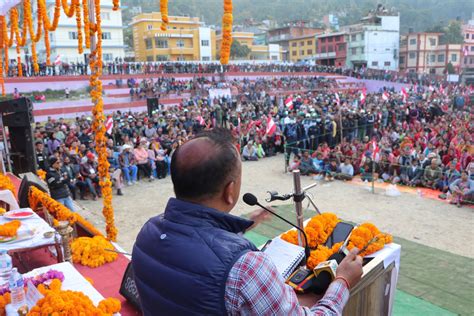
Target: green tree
{"type": "Point", "coordinates": [453, 33]}
{"type": "Point", "coordinates": [450, 69]}
{"type": "Point", "coordinates": [238, 50]}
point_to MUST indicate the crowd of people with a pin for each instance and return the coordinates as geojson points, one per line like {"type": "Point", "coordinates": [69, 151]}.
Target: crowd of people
{"type": "Point", "coordinates": [119, 67]}
{"type": "Point", "coordinates": [424, 140]}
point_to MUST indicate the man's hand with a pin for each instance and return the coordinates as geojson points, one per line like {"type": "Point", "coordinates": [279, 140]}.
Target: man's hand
{"type": "Point", "coordinates": [258, 217]}
{"type": "Point", "coordinates": [351, 268]}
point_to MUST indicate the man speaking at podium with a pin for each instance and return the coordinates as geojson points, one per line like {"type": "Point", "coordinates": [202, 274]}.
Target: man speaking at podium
{"type": "Point", "coordinates": [193, 260]}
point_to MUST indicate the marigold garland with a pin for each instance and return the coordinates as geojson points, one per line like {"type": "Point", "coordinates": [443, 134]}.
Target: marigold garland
{"type": "Point", "coordinates": [44, 16]}
{"type": "Point", "coordinates": [116, 4]}
{"type": "Point", "coordinates": [57, 210]}
{"type": "Point", "coordinates": [361, 236]}
{"type": "Point", "coordinates": [164, 14]}
{"type": "Point", "coordinates": [66, 302]}
{"type": "Point", "coordinates": [91, 251]}
{"type": "Point", "coordinates": [9, 229]}
{"type": "Point", "coordinates": [227, 21]}
{"type": "Point", "coordinates": [7, 184]}
{"type": "Point", "coordinates": [79, 29]}
{"type": "Point", "coordinates": [85, 16]}
{"type": "Point", "coordinates": [98, 126]}
{"type": "Point", "coordinates": [41, 173]}
{"type": "Point", "coordinates": [69, 10]}
{"type": "Point", "coordinates": [5, 299]}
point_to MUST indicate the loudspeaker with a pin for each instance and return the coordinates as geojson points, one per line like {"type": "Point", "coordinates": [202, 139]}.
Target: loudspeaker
{"type": "Point", "coordinates": [29, 179]}
{"type": "Point", "coordinates": [16, 105]}
{"type": "Point", "coordinates": [17, 119]}
{"type": "Point", "coordinates": [152, 104]}
{"type": "Point", "coordinates": [22, 152]}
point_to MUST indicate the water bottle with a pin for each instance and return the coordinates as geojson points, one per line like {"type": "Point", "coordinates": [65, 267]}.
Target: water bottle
{"type": "Point", "coordinates": [17, 290]}
{"type": "Point", "coordinates": [5, 267]}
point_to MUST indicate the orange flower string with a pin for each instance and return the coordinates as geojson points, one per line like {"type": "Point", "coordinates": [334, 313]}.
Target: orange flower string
{"type": "Point", "coordinates": [321, 254]}
{"type": "Point", "coordinates": [7, 184]}
{"type": "Point", "coordinates": [41, 173]}
{"type": "Point", "coordinates": [361, 236]}
{"type": "Point", "coordinates": [92, 252]}
{"type": "Point", "coordinates": [47, 46]}
{"type": "Point", "coordinates": [164, 14]}
{"type": "Point", "coordinates": [227, 21]}
{"type": "Point", "coordinates": [116, 4]}
{"type": "Point", "coordinates": [44, 16]}
{"type": "Point", "coordinates": [85, 17]}
{"type": "Point", "coordinates": [79, 29]}
{"type": "Point", "coordinates": [10, 229]}
{"type": "Point", "coordinates": [69, 10]}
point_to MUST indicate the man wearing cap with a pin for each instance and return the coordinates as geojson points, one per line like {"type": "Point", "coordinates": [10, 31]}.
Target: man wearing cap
{"type": "Point", "coordinates": [128, 164]}
{"type": "Point", "coordinates": [57, 183]}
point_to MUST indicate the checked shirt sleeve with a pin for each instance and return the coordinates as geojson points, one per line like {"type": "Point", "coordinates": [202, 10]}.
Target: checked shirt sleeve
{"type": "Point", "coordinates": [254, 287]}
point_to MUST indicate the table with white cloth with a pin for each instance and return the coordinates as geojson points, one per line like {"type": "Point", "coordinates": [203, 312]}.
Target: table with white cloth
{"type": "Point", "coordinates": [7, 197]}
{"type": "Point", "coordinates": [38, 227]}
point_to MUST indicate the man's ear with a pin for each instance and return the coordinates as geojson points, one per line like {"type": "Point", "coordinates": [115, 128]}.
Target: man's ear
{"type": "Point", "coordinates": [228, 194]}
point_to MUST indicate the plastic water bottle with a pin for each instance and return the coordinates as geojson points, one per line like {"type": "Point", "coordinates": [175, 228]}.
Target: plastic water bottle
{"type": "Point", "coordinates": [5, 267]}
{"type": "Point", "coordinates": [17, 290]}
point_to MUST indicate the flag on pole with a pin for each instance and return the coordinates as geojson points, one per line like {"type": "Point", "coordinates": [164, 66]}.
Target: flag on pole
{"type": "Point", "coordinates": [271, 126]}
{"type": "Point", "coordinates": [363, 96]}
{"type": "Point", "coordinates": [58, 61]}
{"type": "Point", "coordinates": [385, 96]}
{"type": "Point", "coordinates": [404, 95]}
{"type": "Point", "coordinates": [375, 149]}
{"type": "Point", "coordinates": [338, 100]}
{"type": "Point", "coordinates": [109, 125]}
{"type": "Point", "coordinates": [289, 102]}
{"type": "Point", "coordinates": [201, 121]}
{"type": "Point", "coordinates": [441, 88]}
{"type": "Point", "coordinates": [415, 88]}
{"type": "Point", "coordinates": [466, 51]}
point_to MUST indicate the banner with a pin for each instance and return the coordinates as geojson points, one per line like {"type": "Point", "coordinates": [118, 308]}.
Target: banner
{"type": "Point", "coordinates": [218, 93]}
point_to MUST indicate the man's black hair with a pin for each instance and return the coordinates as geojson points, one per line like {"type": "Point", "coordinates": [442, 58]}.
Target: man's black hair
{"type": "Point", "coordinates": [203, 179]}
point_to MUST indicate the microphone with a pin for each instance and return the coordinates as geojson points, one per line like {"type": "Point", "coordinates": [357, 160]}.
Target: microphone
{"type": "Point", "coordinates": [251, 200]}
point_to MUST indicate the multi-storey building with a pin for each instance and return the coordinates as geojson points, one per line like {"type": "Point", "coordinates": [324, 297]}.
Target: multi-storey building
{"type": "Point", "coordinates": [422, 53]}
{"type": "Point", "coordinates": [302, 47]}
{"type": "Point", "coordinates": [467, 64]}
{"type": "Point", "coordinates": [63, 41]}
{"type": "Point", "coordinates": [257, 52]}
{"type": "Point", "coordinates": [374, 43]}
{"type": "Point", "coordinates": [186, 39]}
{"type": "Point", "coordinates": [331, 49]}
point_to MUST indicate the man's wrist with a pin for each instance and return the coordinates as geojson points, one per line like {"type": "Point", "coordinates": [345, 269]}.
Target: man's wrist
{"type": "Point", "coordinates": [343, 280]}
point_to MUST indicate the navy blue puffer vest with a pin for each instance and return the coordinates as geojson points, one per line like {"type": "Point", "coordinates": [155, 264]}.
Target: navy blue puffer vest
{"type": "Point", "coordinates": [182, 259]}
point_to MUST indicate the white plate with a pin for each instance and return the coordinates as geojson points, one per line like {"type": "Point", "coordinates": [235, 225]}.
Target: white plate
{"type": "Point", "coordinates": [11, 214]}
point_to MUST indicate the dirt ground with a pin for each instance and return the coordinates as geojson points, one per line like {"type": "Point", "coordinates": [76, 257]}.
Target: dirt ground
{"type": "Point", "coordinates": [426, 221]}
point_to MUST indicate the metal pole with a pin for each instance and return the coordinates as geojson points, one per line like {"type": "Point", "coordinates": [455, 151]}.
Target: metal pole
{"type": "Point", "coordinates": [373, 175]}
{"type": "Point", "coordinates": [298, 205]}
{"type": "Point", "coordinates": [340, 123]}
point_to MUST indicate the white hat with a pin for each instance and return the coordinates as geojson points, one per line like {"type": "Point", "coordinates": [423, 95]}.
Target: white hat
{"type": "Point", "coordinates": [126, 146]}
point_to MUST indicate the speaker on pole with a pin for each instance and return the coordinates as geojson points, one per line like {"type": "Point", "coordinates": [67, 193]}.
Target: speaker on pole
{"type": "Point", "coordinates": [152, 104]}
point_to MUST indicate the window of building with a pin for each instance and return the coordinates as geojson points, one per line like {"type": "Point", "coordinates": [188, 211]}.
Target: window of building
{"type": "Point", "coordinates": [204, 43]}
{"type": "Point", "coordinates": [181, 58]}
{"type": "Point", "coordinates": [472, 36]}
{"type": "Point", "coordinates": [51, 37]}
{"type": "Point", "coordinates": [467, 35]}
{"type": "Point", "coordinates": [206, 58]}
{"type": "Point", "coordinates": [432, 58]}
{"type": "Point", "coordinates": [73, 35]}
{"type": "Point", "coordinates": [323, 40]}
{"type": "Point", "coordinates": [274, 57]}
{"type": "Point", "coordinates": [412, 71]}
{"type": "Point", "coordinates": [341, 47]}
{"type": "Point", "coordinates": [472, 48]}
{"type": "Point", "coordinates": [149, 58]}
{"type": "Point", "coordinates": [330, 49]}
{"type": "Point", "coordinates": [362, 50]}
{"type": "Point", "coordinates": [354, 50]}
{"type": "Point", "coordinates": [302, 52]}
{"type": "Point", "coordinates": [413, 41]}
{"type": "Point", "coordinates": [162, 57]}
{"type": "Point", "coordinates": [309, 43]}
{"type": "Point", "coordinates": [293, 53]}
{"type": "Point", "coordinates": [471, 60]}
{"type": "Point", "coordinates": [387, 49]}
{"type": "Point", "coordinates": [402, 60]}
{"type": "Point", "coordinates": [353, 38]}
{"type": "Point", "coordinates": [293, 44]}
{"type": "Point", "coordinates": [433, 41]}
{"type": "Point", "coordinates": [108, 57]}
{"type": "Point", "coordinates": [330, 39]}
{"type": "Point", "coordinates": [105, 16]}
{"type": "Point", "coordinates": [337, 38]}
{"type": "Point", "coordinates": [309, 52]}
{"type": "Point", "coordinates": [375, 63]}
{"type": "Point", "coordinates": [180, 43]}
{"type": "Point", "coordinates": [323, 49]}
{"type": "Point", "coordinates": [161, 43]}
{"type": "Point", "coordinates": [149, 27]}
{"type": "Point", "coordinates": [362, 36]}
{"type": "Point", "coordinates": [148, 44]}
{"type": "Point", "coordinates": [412, 55]}
{"type": "Point", "coordinates": [387, 64]}
{"type": "Point", "coordinates": [441, 58]}
{"type": "Point", "coordinates": [302, 43]}
{"type": "Point", "coordinates": [106, 36]}
{"type": "Point", "coordinates": [454, 57]}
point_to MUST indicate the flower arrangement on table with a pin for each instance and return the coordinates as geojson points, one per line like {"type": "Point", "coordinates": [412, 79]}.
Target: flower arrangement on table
{"type": "Point", "coordinates": [6, 184]}
{"type": "Point", "coordinates": [9, 229]}
{"type": "Point", "coordinates": [320, 227]}
{"type": "Point", "coordinates": [43, 278]}
{"type": "Point", "coordinates": [92, 252]}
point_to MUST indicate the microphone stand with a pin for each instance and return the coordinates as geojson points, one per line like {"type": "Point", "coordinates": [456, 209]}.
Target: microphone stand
{"type": "Point", "coordinates": [298, 197]}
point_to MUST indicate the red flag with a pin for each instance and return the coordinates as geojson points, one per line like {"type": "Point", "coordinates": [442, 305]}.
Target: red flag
{"type": "Point", "coordinates": [289, 102]}
{"type": "Point", "coordinates": [201, 120]}
{"type": "Point", "coordinates": [385, 96]}
{"type": "Point", "coordinates": [375, 149]}
{"type": "Point", "coordinates": [271, 126]}
{"type": "Point", "coordinates": [441, 88]}
{"type": "Point", "coordinates": [338, 100]}
{"type": "Point", "coordinates": [109, 125]}
{"type": "Point", "coordinates": [363, 96]}
{"type": "Point", "coordinates": [404, 95]}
